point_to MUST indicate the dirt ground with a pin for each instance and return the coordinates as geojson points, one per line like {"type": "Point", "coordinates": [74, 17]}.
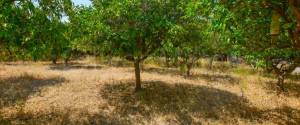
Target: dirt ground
{"type": "Point", "coordinates": [92, 94]}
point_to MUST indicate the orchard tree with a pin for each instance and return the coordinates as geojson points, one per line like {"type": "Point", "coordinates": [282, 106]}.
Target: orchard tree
{"type": "Point", "coordinates": [138, 28]}
{"type": "Point", "coordinates": [269, 32]}
{"type": "Point", "coordinates": [190, 49]}
{"type": "Point", "coordinates": [83, 25]}
{"type": "Point", "coordinates": [57, 39]}
{"type": "Point", "coordinates": [27, 27]}
{"type": "Point", "coordinates": [170, 52]}
{"type": "Point", "coordinates": [15, 25]}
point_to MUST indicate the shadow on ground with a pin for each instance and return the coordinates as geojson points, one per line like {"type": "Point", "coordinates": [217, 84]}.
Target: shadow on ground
{"type": "Point", "coordinates": [189, 102]}
{"type": "Point", "coordinates": [16, 90]}
{"type": "Point", "coordinates": [294, 77]}
{"type": "Point", "coordinates": [120, 63]}
{"type": "Point", "coordinates": [217, 78]}
{"type": "Point", "coordinates": [65, 117]}
{"type": "Point", "coordinates": [283, 116]}
{"type": "Point", "coordinates": [291, 88]}
{"type": "Point", "coordinates": [183, 104]}
{"type": "Point", "coordinates": [74, 67]}
{"type": "Point", "coordinates": [208, 77]}
{"type": "Point", "coordinates": [164, 71]}
{"type": "Point", "coordinates": [186, 102]}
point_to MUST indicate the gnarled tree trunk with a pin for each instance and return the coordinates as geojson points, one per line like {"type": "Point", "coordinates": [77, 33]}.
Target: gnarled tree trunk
{"type": "Point", "coordinates": [280, 81]}
{"type": "Point", "coordinates": [282, 69]}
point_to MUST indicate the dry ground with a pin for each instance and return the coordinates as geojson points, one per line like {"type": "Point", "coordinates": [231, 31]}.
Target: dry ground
{"type": "Point", "coordinates": [89, 93]}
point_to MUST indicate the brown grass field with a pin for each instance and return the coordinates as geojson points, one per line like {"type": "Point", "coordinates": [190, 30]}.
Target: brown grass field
{"type": "Point", "coordinates": [89, 93]}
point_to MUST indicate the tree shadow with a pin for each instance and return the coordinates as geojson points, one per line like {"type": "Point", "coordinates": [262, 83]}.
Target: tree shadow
{"type": "Point", "coordinates": [283, 116]}
{"type": "Point", "coordinates": [56, 117]}
{"type": "Point", "coordinates": [185, 101]}
{"type": "Point", "coordinates": [16, 90]}
{"type": "Point", "coordinates": [15, 63]}
{"type": "Point", "coordinates": [294, 77]}
{"type": "Point", "coordinates": [120, 63]}
{"type": "Point", "coordinates": [291, 88]}
{"type": "Point", "coordinates": [220, 66]}
{"type": "Point", "coordinates": [74, 67]}
{"type": "Point", "coordinates": [165, 71]}
{"type": "Point", "coordinates": [226, 78]}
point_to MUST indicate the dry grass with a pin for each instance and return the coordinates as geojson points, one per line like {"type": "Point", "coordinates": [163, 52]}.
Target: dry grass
{"type": "Point", "coordinates": [90, 93]}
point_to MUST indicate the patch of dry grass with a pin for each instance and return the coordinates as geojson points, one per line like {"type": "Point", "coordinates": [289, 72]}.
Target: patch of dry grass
{"type": "Point", "coordinates": [92, 93]}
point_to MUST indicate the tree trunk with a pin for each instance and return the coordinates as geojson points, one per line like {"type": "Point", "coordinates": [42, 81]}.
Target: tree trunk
{"type": "Point", "coordinates": [109, 61]}
{"type": "Point", "coordinates": [280, 82]}
{"type": "Point", "coordinates": [35, 59]}
{"type": "Point", "coordinates": [294, 34]}
{"type": "Point", "coordinates": [189, 67]}
{"type": "Point", "coordinates": [10, 56]}
{"type": "Point", "coordinates": [138, 86]}
{"type": "Point", "coordinates": [66, 61]}
{"type": "Point", "coordinates": [167, 61]}
{"type": "Point", "coordinates": [54, 61]}
{"type": "Point", "coordinates": [225, 57]}
{"type": "Point", "coordinates": [188, 72]}
{"type": "Point", "coordinates": [176, 61]}
{"type": "Point", "coordinates": [142, 65]}
{"type": "Point", "coordinates": [210, 63]}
